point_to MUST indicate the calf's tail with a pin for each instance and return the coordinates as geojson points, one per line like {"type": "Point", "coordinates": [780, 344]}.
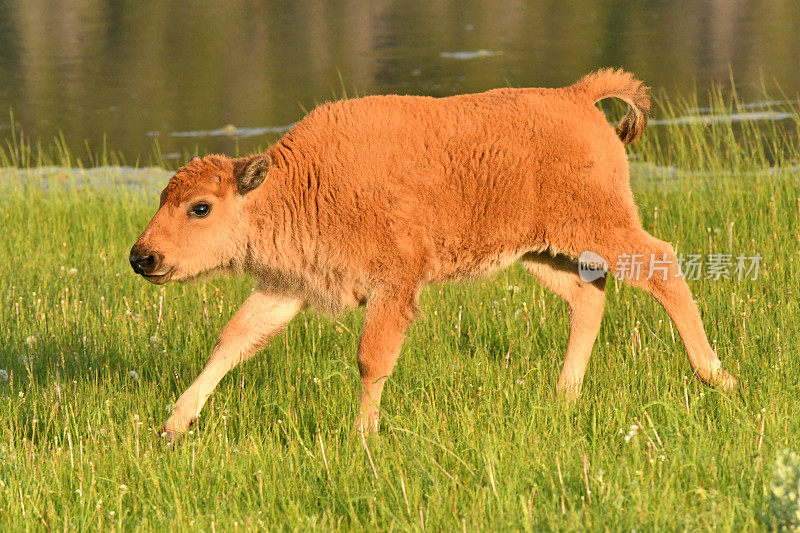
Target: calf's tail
{"type": "Point", "coordinates": [611, 83]}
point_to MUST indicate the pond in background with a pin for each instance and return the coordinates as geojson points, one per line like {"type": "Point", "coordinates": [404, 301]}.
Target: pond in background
{"type": "Point", "coordinates": [211, 76]}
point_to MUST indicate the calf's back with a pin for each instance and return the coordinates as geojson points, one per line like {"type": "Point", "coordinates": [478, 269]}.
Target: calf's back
{"type": "Point", "coordinates": [409, 189]}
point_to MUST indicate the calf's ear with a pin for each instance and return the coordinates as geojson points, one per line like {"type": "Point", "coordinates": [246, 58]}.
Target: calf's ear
{"type": "Point", "coordinates": [249, 173]}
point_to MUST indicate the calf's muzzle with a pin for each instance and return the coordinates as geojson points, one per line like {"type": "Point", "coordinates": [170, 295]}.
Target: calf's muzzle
{"type": "Point", "coordinates": [144, 261]}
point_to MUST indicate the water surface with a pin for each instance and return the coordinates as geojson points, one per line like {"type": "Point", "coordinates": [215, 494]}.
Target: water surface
{"type": "Point", "coordinates": [223, 76]}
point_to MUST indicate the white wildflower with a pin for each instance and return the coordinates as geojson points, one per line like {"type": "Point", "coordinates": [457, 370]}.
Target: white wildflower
{"type": "Point", "coordinates": [632, 432]}
{"type": "Point", "coordinates": [30, 341]}
{"type": "Point", "coordinates": [513, 289]}
{"type": "Point", "coordinates": [3, 375]}
{"type": "Point", "coordinates": [134, 375]}
{"type": "Point", "coordinates": [72, 271]}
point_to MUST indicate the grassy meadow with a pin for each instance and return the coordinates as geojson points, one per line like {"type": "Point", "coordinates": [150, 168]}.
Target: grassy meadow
{"type": "Point", "coordinates": [472, 436]}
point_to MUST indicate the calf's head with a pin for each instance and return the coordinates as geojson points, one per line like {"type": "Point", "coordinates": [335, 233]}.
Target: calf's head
{"type": "Point", "coordinates": [200, 222]}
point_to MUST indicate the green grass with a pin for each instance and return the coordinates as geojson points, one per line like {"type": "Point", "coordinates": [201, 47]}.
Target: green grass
{"type": "Point", "coordinates": [472, 434]}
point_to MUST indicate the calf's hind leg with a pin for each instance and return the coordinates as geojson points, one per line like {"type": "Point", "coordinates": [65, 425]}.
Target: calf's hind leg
{"type": "Point", "coordinates": [387, 317]}
{"type": "Point", "coordinates": [586, 302]}
{"type": "Point", "coordinates": [651, 264]}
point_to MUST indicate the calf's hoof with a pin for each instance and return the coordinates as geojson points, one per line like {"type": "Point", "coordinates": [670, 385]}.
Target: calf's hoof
{"type": "Point", "coordinates": [367, 423]}
{"type": "Point", "coordinates": [725, 381]}
{"type": "Point", "coordinates": [170, 437]}
{"type": "Point", "coordinates": [175, 429]}
{"type": "Point", "coordinates": [568, 392]}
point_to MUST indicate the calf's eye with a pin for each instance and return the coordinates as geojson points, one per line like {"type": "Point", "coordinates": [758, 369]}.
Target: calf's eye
{"type": "Point", "coordinates": [200, 210]}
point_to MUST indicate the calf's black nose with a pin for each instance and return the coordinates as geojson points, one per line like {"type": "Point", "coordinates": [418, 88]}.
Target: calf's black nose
{"type": "Point", "coordinates": [143, 261]}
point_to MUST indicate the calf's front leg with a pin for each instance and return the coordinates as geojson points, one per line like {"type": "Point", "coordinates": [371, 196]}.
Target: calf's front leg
{"type": "Point", "coordinates": [387, 317]}
{"type": "Point", "coordinates": [261, 316]}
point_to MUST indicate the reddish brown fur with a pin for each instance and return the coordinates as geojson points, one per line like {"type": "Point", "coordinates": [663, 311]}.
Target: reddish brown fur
{"type": "Point", "coordinates": [368, 200]}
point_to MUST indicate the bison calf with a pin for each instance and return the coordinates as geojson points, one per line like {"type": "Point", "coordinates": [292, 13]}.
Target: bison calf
{"type": "Point", "coordinates": [365, 201]}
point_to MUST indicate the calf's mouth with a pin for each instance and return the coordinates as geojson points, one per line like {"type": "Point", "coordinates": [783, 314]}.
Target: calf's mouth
{"type": "Point", "coordinates": [159, 279]}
